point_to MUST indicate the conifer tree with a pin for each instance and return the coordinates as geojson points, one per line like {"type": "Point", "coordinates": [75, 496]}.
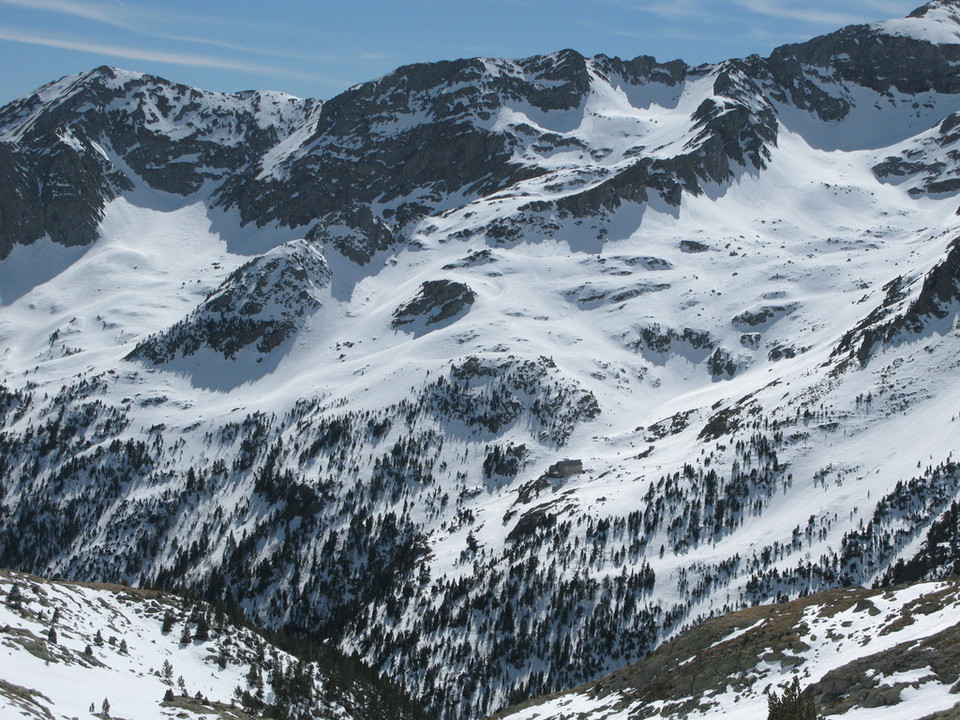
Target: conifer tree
{"type": "Point", "coordinates": [203, 628]}
{"type": "Point", "coordinates": [15, 596]}
{"type": "Point", "coordinates": [793, 704]}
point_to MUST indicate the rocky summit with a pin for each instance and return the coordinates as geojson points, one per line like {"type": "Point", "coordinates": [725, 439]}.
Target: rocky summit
{"type": "Point", "coordinates": [497, 374]}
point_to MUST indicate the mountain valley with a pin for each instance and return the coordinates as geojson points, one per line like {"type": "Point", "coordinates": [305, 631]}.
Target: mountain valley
{"type": "Point", "coordinates": [495, 374]}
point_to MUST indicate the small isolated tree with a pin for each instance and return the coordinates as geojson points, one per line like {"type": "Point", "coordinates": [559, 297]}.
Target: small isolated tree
{"type": "Point", "coordinates": [185, 636]}
{"type": "Point", "coordinates": [15, 596]}
{"type": "Point", "coordinates": [123, 646]}
{"type": "Point", "coordinates": [203, 628]}
{"type": "Point", "coordinates": [793, 704]}
{"type": "Point", "coordinates": [98, 639]}
{"type": "Point", "coordinates": [105, 708]}
{"type": "Point", "coordinates": [168, 621]}
{"type": "Point", "coordinates": [52, 635]}
{"type": "Point", "coordinates": [168, 696]}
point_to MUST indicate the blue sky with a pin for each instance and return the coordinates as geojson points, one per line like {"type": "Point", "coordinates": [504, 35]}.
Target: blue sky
{"type": "Point", "coordinates": [317, 49]}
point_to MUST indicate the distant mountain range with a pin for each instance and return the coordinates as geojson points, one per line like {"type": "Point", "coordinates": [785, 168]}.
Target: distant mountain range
{"type": "Point", "coordinates": [495, 373]}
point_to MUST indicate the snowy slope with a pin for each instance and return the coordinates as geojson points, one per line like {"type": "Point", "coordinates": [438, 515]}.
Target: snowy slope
{"type": "Point", "coordinates": [859, 653]}
{"type": "Point", "coordinates": [329, 365]}
{"type": "Point", "coordinates": [72, 650]}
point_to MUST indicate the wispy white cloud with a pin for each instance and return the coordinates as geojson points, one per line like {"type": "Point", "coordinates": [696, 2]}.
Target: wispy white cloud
{"type": "Point", "coordinates": [670, 33]}
{"type": "Point", "coordinates": [132, 17]}
{"type": "Point", "coordinates": [136, 53]}
{"type": "Point", "coordinates": [152, 21]}
{"type": "Point", "coordinates": [679, 9]}
{"type": "Point", "coordinates": [149, 22]}
{"type": "Point", "coordinates": [806, 14]}
{"type": "Point", "coordinates": [831, 14]}
{"type": "Point", "coordinates": [90, 11]}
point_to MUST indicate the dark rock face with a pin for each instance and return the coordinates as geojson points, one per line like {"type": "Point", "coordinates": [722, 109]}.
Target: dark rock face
{"type": "Point", "coordinates": [438, 300]}
{"type": "Point", "coordinates": [722, 365]}
{"type": "Point", "coordinates": [264, 302]}
{"type": "Point", "coordinates": [865, 56]}
{"type": "Point", "coordinates": [565, 468]}
{"type": "Point", "coordinates": [692, 246]}
{"type": "Point", "coordinates": [421, 127]}
{"type": "Point", "coordinates": [896, 317]}
{"type": "Point", "coordinates": [736, 128]}
{"type": "Point", "coordinates": [58, 191]}
{"type": "Point", "coordinates": [761, 317]}
{"type": "Point", "coordinates": [932, 164]}
{"type": "Point", "coordinates": [59, 146]}
{"type": "Point", "coordinates": [658, 343]}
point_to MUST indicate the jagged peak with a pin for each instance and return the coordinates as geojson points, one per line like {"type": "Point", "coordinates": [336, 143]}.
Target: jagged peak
{"type": "Point", "coordinates": [923, 10]}
{"type": "Point", "coordinates": [111, 74]}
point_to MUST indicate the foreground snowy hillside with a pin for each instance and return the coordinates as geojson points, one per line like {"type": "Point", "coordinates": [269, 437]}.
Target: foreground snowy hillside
{"type": "Point", "coordinates": [77, 651]}
{"type": "Point", "coordinates": [871, 654]}
{"type": "Point", "coordinates": [498, 373]}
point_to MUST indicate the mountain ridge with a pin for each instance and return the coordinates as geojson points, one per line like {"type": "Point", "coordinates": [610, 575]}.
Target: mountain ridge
{"type": "Point", "coordinates": [903, 663]}
{"type": "Point", "coordinates": [101, 641]}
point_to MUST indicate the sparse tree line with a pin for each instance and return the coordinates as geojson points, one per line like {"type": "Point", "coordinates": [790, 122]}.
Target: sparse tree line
{"type": "Point", "coordinates": [328, 539]}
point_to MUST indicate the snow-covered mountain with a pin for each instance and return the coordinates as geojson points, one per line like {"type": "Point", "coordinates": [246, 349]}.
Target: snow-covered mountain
{"type": "Point", "coordinates": [497, 373]}
{"type": "Point", "coordinates": [85, 650]}
{"type": "Point", "coordinates": [856, 653]}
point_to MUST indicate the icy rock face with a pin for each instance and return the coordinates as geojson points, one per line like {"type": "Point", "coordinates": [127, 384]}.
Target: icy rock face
{"type": "Point", "coordinates": [421, 133]}
{"type": "Point", "coordinates": [424, 134]}
{"type": "Point", "coordinates": [262, 303]}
